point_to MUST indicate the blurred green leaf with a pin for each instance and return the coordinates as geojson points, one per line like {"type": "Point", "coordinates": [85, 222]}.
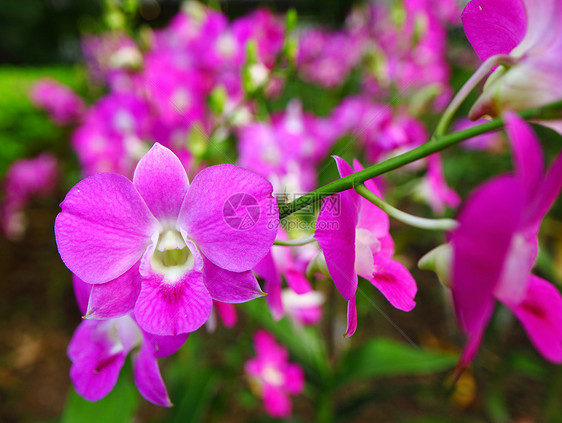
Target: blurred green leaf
{"type": "Point", "coordinates": [25, 130]}
{"type": "Point", "coordinates": [118, 407]}
{"type": "Point", "coordinates": [385, 357]}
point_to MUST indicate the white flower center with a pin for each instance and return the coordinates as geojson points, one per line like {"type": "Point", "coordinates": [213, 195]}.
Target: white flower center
{"type": "Point", "coordinates": [171, 254]}
{"type": "Point", "coordinates": [272, 376]}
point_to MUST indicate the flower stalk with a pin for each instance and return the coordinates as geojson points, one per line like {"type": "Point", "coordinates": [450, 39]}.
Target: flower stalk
{"type": "Point", "coordinates": [439, 143]}
{"type": "Point", "coordinates": [415, 221]}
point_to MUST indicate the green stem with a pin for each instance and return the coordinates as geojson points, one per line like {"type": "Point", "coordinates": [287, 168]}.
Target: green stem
{"type": "Point", "coordinates": [549, 111]}
{"type": "Point", "coordinates": [294, 242]}
{"type": "Point", "coordinates": [418, 222]}
{"type": "Point", "coordinates": [473, 81]}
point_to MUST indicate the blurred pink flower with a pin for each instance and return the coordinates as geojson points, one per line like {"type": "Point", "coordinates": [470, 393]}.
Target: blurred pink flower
{"type": "Point", "coordinates": [435, 190]}
{"type": "Point", "coordinates": [491, 141]}
{"type": "Point", "coordinates": [61, 103]}
{"type": "Point", "coordinates": [288, 150]}
{"type": "Point", "coordinates": [112, 135]}
{"type": "Point", "coordinates": [24, 180]}
{"type": "Point", "coordinates": [327, 57]}
{"type": "Point", "coordinates": [273, 376]}
{"type": "Point", "coordinates": [266, 29]}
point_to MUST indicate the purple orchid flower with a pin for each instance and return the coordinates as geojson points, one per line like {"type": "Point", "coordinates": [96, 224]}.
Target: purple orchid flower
{"type": "Point", "coordinates": [303, 309]}
{"type": "Point", "coordinates": [529, 32]}
{"type": "Point", "coordinates": [62, 104]}
{"type": "Point", "coordinates": [164, 248]}
{"type": "Point", "coordinates": [272, 376]}
{"type": "Point", "coordinates": [226, 312]}
{"type": "Point", "coordinates": [98, 350]}
{"type": "Point", "coordinates": [354, 237]}
{"type": "Point", "coordinates": [434, 189]}
{"type": "Point", "coordinates": [24, 180]}
{"type": "Point", "coordinates": [495, 247]}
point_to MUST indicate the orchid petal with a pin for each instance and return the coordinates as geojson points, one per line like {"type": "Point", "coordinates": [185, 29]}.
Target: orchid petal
{"type": "Point", "coordinates": [297, 281]}
{"type": "Point", "coordinates": [267, 270]}
{"type": "Point", "coordinates": [540, 313]}
{"type": "Point", "coordinates": [480, 245]}
{"type": "Point", "coordinates": [294, 379]}
{"type": "Point", "coordinates": [547, 193]}
{"type": "Point", "coordinates": [527, 152]}
{"type": "Point", "coordinates": [103, 228]}
{"type": "Point", "coordinates": [226, 312]}
{"type": "Point", "coordinates": [115, 298]}
{"type": "Point", "coordinates": [268, 349]}
{"type": "Point", "coordinates": [95, 368]}
{"type": "Point", "coordinates": [82, 292]}
{"type": "Point", "coordinates": [148, 378]}
{"type": "Point", "coordinates": [494, 27]}
{"type": "Point", "coordinates": [351, 318]}
{"type": "Point", "coordinates": [164, 346]}
{"type": "Point", "coordinates": [371, 217]}
{"type": "Point", "coordinates": [474, 341]}
{"type": "Point", "coordinates": [276, 401]}
{"type": "Point", "coordinates": [162, 182]}
{"type": "Point", "coordinates": [231, 215]}
{"type": "Point", "coordinates": [335, 232]}
{"type": "Point", "coordinates": [230, 287]}
{"type": "Point", "coordinates": [172, 304]}
{"type": "Point", "coordinates": [394, 281]}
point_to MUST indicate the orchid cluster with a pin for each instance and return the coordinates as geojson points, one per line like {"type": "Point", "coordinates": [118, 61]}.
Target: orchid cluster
{"type": "Point", "coordinates": [155, 256]}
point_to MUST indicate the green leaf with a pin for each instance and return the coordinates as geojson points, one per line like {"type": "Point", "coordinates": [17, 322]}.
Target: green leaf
{"type": "Point", "coordinates": [117, 407]}
{"type": "Point", "coordinates": [385, 358]}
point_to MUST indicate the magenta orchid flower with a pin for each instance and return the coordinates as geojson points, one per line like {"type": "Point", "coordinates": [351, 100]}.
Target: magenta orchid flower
{"type": "Point", "coordinates": [98, 350]}
{"type": "Point", "coordinates": [61, 103]}
{"type": "Point", "coordinates": [272, 376]}
{"type": "Point", "coordinates": [434, 187]}
{"type": "Point", "coordinates": [495, 247]}
{"type": "Point", "coordinates": [24, 180]}
{"type": "Point", "coordinates": [354, 237]}
{"type": "Point", "coordinates": [303, 309]}
{"type": "Point", "coordinates": [165, 248]}
{"type": "Point", "coordinates": [529, 32]}
{"type": "Point", "coordinates": [226, 312]}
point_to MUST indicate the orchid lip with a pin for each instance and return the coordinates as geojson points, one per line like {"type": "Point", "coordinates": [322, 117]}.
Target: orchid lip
{"type": "Point", "coordinates": [171, 254]}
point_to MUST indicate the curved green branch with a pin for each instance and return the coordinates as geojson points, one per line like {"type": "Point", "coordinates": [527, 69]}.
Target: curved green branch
{"type": "Point", "coordinates": [418, 222]}
{"type": "Point", "coordinates": [549, 111]}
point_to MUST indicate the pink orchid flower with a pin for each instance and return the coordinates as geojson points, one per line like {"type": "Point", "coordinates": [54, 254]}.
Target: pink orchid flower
{"type": "Point", "coordinates": [495, 247]}
{"type": "Point", "coordinates": [98, 350]}
{"type": "Point", "coordinates": [303, 309]}
{"type": "Point", "coordinates": [165, 248]}
{"type": "Point", "coordinates": [354, 237]}
{"type": "Point", "coordinates": [434, 187]}
{"type": "Point", "coordinates": [529, 32]}
{"type": "Point", "coordinates": [61, 103]}
{"type": "Point", "coordinates": [273, 377]}
{"type": "Point", "coordinates": [226, 312]}
{"type": "Point", "coordinates": [24, 180]}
